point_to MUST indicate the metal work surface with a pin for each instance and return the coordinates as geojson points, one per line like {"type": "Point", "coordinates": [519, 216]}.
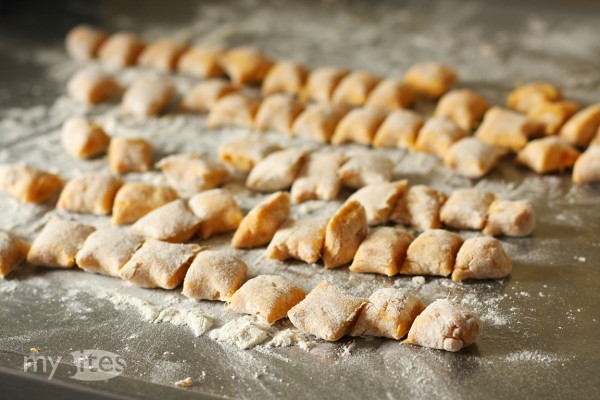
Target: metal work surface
{"type": "Point", "coordinates": [540, 325]}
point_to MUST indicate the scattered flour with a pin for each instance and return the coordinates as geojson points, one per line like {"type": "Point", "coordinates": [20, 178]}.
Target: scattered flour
{"type": "Point", "coordinates": [198, 321]}
{"type": "Point", "coordinates": [291, 337]}
{"type": "Point", "coordinates": [148, 311]}
{"type": "Point", "coordinates": [185, 383]}
{"type": "Point", "coordinates": [245, 332]}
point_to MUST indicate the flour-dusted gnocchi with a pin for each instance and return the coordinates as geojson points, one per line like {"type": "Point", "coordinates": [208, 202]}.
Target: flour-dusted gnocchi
{"type": "Point", "coordinates": [147, 97]}
{"type": "Point", "coordinates": [259, 226]}
{"type": "Point", "coordinates": [399, 129]}
{"type": "Point", "coordinates": [587, 167]}
{"type": "Point", "coordinates": [354, 89]}
{"type": "Point", "coordinates": [82, 138]}
{"type": "Point", "coordinates": [318, 177]}
{"type": "Point", "coordinates": [243, 154]}
{"type": "Point", "coordinates": [214, 275]}
{"type": "Point", "coordinates": [472, 158]}
{"type": "Point", "coordinates": [553, 115]}
{"type": "Point", "coordinates": [326, 312]}
{"type": "Point", "coordinates": [28, 184]}
{"type": "Point", "coordinates": [300, 239]}
{"type": "Point", "coordinates": [389, 95]}
{"type": "Point", "coordinates": [419, 207]}
{"type": "Point", "coordinates": [13, 251]}
{"type": "Point", "coordinates": [365, 167]}
{"type": "Point", "coordinates": [582, 127]}
{"type": "Point", "coordinates": [83, 41]}
{"type": "Point", "coordinates": [388, 313]}
{"type": "Point", "coordinates": [121, 49]}
{"type": "Point", "coordinates": [172, 222]}
{"type": "Point", "coordinates": [58, 243]}
{"type": "Point", "coordinates": [548, 154]}
{"type": "Point", "coordinates": [467, 209]}
{"type": "Point", "coordinates": [344, 233]}
{"type": "Point", "coordinates": [204, 95]}
{"type": "Point", "coordinates": [201, 62]}
{"type": "Point", "coordinates": [130, 155]}
{"type": "Point", "coordinates": [277, 112]}
{"type": "Point", "coordinates": [481, 258]}
{"type": "Point", "coordinates": [106, 250]}
{"type": "Point", "coordinates": [379, 199]}
{"type": "Point", "coordinates": [510, 218]}
{"type": "Point", "coordinates": [318, 122]}
{"type": "Point", "coordinates": [285, 77]}
{"type": "Point", "coordinates": [276, 171]}
{"type": "Point", "coordinates": [235, 109]}
{"type": "Point", "coordinates": [92, 193]}
{"type": "Point", "coordinates": [321, 83]}
{"type": "Point", "coordinates": [444, 325]}
{"type": "Point", "coordinates": [134, 200]}
{"type": "Point", "coordinates": [430, 79]}
{"type": "Point", "coordinates": [463, 106]}
{"type": "Point", "coordinates": [433, 252]}
{"type": "Point", "coordinates": [527, 96]}
{"type": "Point", "coordinates": [507, 129]}
{"type": "Point", "coordinates": [162, 55]}
{"type": "Point", "coordinates": [92, 86]}
{"type": "Point", "coordinates": [245, 65]}
{"type": "Point", "coordinates": [437, 135]}
{"type": "Point", "coordinates": [383, 251]}
{"type": "Point", "coordinates": [191, 173]}
{"type": "Point", "coordinates": [358, 126]}
{"type": "Point", "coordinates": [218, 212]}
{"type": "Point", "coordinates": [159, 264]}
{"type": "Point", "coordinates": [269, 297]}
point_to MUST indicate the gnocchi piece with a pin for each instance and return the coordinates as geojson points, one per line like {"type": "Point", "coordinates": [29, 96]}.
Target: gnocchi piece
{"type": "Point", "coordinates": [234, 109]}
{"type": "Point", "coordinates": [437, 135]}
{"type": "Point", "coordinates": [302, 239]}
{"type": "Point", "coordinates": [284, 77]}
{"type": "Point", "coordinates": [83, 42]}
{"type": "Point", "coordinates": [358, 126]}
{"type": "Point", "coordinates": [582, 127]}
{"type": "Point", "coordinates": [83, 138]}
{"type": "Point", "coordinates": [344, 233]}
{"type": "Point", "coordinates": [201, 62]}
{"type": "Point", "coordinates": [92, 193]}
{"type": "Point", "coordinates": [326, 312]}
{"type": "Point", "coordinates": [13, 252]}
{"type": "Point", "coordinates": [91, 86]}
{"type": "Point", "coordinates": [525, 97]}
{"type": "Point", "coordinates": [430, 79]}
{"type": "Point", "coordinates": [364, 168]}
{"type": "Point", "coordinates": [28, 184]}
{"type": "Point", "coordinates": [383, 251]}
{"type": "Point", "coordinates": [276, 171]}
{"type": "Point", "coordinates": [553, 115]}
{"type": "Point", "coordinates": [134, 200]}
{"type": "Point", "coordinates": [214, 275]}
{"type": "Point", "coordinates": [147, 97]}
{"type": "Point", "coordinates": [506, 129]}
{"type": "Point", "coordinates": [121, 49]}
{"type": "Point", "coordinates": [218, 212]}
{"type": "Point", "coordinates": [57, 244]}
{"type": "Point", "coordinates": [445, 326]}
{"type": "Point", "coordinates": [433, 252]}
{"type": "Point", "coordinates": [481, 258]}
{"type": "Point", "coordinates": [463, 106]}
{"type": "Point", "coordinates": [587, 167]}
{"type": "Point", "coordinates": [390, 95]}
{"type": "Point", "coordinates": [172, 222]}
{"type": "Point", "coordinates": [472, 158]}
{"type": "Point", "coordinates": [379, 199]}
{"type": "Point", "coordinates": [245, 65]}
{"type": "Point", "coordinates": [318, 178]}
{"type": "Point", "coordinates": [191, 173]}
{"type": "Point", "coordinates": [244, 154]}
{"type": "Point", "coordinates": [321, 83]}
{"type": "Point", "coordinates": [106, 250]}
{"type": "Point", "coordinates": [259, 226]}
{"type": "Point", "coordinates": [467, 209]}
{"type": "Point", "coordinates": [162, 55]}
{"type": "Point", "coordinates": [510, 218]}
{"type": "Point", "coordinates": [318, 122]}
{"type": "Point", "coordinates": [269, 297]}
{"type": "Point", "coordinates": [204, 95]}
{"type": "Point", "coordinates": [548, 154]}
{"type": "Point", "coordinates": [399, 129]}
{"type": "Point", "coordinates": [419, 207]}
{"type": "Point", "coordinates": [277, 112]}
{"type": "Point", "coordinates": [129, 155]}
{"type": "Point", "coordinates": [388, 313]}
{"type": "Point", "coordinates": [159, 264]}
{"type": "Point", "coordinates": [354, 89]}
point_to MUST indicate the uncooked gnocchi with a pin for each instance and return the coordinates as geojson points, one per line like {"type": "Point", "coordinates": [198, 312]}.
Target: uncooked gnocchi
{"type": "Point", "coordinates": [91, 86]}
{"type": "Point", "coordinates": [548, 154]}
{"type": "Point", "coordinates": [277, 113]}
{"type": "Point", "coordinates": [245, 65]}
{"type": "Point", "coordinates": [379, 199]}
{"type": "Point", "coordinates": [358, 126]}
{"type": "Point", "coordinates": [318, 122]}
{"type": "Point", "coordinates": [507, 129]}
{"type": "Point", "coordinates": [510, 218]}
{"type": "Point", "coordinates": [301, 239]}
{"type": "Point", "coordinates": [433, 252]}
{"type": "Point", "coordinates": [83, 138]}
{"type": "Point", "coordinates": [383, 251]}
{"type": "Point", "coordinates": [284, 77]}
{"type": "Point", "coordinates": [93, 193]}
{"type": "Point", "coordinates": [354, 89]}
{"type": "Point", "coordinates": [201, 62]}
{"type": "Point", "coordinates": [276, 171]}
{"type": "Point", "coordinates": [147, 97]}
{"type": "Point", "coordinates": [106, 250]}
{"type": "Point", "coordinates": [399, 129]}
{"type": "Point", "coordinates": [204, 95]}
{"type": "Point", "coordinates": [191, 173]}
{"type": "Point", "coordinates": [235, 109]}
{"type": "Point", "coordinates": [134, 200]}
{"type": "Point", "coordinates": [419, 207]}
{"type": "Point", "coordinates": [83, 42]}
{"type": "Point", "coordinates": [318, 178]}
{"type": "Point", "coordinates": [467, 209]}
{"type": "Point", "coordinates": [214, 275]}
{"type": "Point", "coordinates": [437, 135]}
{"type": "Point", "coordinates": [13, 251]}
{"type": "Point", "coordinates": [129, 155]}
{"type": "Point", "coordinates": [321, 83]}
{"type": "Point", "coordinates": [463, 106]}
{"type": "Point", "coordinates": [471, 157]}
{"type": "Point", "coordinates": [218, 212]}
{"type": "Point", "coordinates": [244, 154]}
{"type": "Point", "coordinates": [365, 167]}
{"type": "Point", "coordinates": [162, 55]}
{"type": "Point", "coordinates": [344, 233]}
{"type": "Point", "coordinates": [430, 79]}
{"type": "Point", "coordinates": [481, 258]}
{"type": "Point", "coordinates": [172, 222]}
{"type": "Point", "coordinates": [28, 184]}
{"type": "Point", "coordinates": [389, 95]}
{"type": "Point", "coordinates": [120, 50]}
